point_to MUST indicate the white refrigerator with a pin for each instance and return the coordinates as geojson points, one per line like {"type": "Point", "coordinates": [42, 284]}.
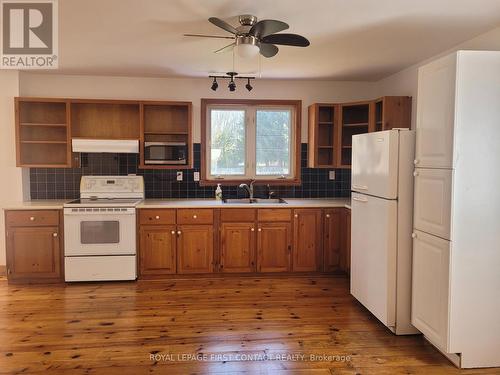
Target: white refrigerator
{"type": "Point", "coordinates": [381, 242]}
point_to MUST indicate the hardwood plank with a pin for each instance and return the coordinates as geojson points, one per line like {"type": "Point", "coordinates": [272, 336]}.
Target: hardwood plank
{"type": "Point", "coordinates": [204, 326]}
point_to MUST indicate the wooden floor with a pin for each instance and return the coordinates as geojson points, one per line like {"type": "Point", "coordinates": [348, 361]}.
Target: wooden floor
{"type": "Point", "coordinates": [232, 325]}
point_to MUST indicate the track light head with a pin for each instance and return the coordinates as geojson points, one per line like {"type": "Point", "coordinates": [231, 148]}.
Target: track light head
{"type": "Point", "coordinates": [248, 85]}
{"type": "Point", "coordinates": [215, 85]}
{"type": "Point", "coordinates": [232, 85]}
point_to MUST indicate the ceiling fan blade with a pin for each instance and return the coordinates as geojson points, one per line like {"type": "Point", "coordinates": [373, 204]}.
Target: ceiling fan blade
{"type": "Point", "coordinates": [267, 27]}
{"type": "Point", "coordinates": [286, 40]}
{"type": "Point", "coordinates": [268, 50]}
{"type": "Point", "coordinates": [223, 25]}
{"type": "Point", "coordinates": [226, 48]}
{"type": "Point", "coordinates": [210, 36]}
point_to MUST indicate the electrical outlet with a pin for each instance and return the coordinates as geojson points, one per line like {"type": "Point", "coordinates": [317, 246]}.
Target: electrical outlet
{"type": "Point", "coordinates": [179, 176]}
{"type": "Point", "coordinates": [331, 175]}
{"type": "Point", "coordinates": [196, 176]}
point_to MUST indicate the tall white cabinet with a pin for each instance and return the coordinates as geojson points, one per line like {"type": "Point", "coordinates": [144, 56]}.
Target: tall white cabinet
{"type": "Point", "coordinates": [456, 237]}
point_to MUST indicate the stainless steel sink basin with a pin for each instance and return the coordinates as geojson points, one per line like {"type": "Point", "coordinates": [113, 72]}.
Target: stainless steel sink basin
{"type": "Point", "coordinates": [254, 201]}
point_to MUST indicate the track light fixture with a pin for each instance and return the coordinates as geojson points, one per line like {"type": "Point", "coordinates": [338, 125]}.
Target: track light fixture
{"type": "Point", "coordinates": [232, 84]}
{"type": "Point", "coordinates": [215, 84]}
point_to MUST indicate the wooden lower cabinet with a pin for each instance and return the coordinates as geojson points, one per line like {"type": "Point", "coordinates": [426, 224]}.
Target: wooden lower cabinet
{"type": "Point", "coordinates": [274, 245]}
{"type": "Point", "coordinates": [195, 248]}
{"type": "Point", "coordinates": [333, 240]}
{"type": "Point", "coordinates": [237, 249]}
{"type": "Point", "coordinates": [34, 249]}
{"type": "Point", "coordinates": [158, 249]}
{"type": "Point", "coordinates": [307, 245]}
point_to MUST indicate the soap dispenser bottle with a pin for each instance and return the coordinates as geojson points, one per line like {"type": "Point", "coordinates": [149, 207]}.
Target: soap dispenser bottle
{"type": "Point", "coordinates": [218, 193]}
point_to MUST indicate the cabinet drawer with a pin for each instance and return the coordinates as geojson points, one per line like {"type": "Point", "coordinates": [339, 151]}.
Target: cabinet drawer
{"type": "Point", "coordinates": [274, 214]}
{"type": "Point", "coordinates": [195, 216]}
{"type": "Point", "coordinates": [32, 218]}
{"type": "Point", "coordinates": [157, 216]}
{"type": "Point", "coordinates": [237, 215]}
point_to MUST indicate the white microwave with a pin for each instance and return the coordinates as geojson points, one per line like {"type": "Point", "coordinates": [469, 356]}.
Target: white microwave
{"type": "Point", "coordinates": [165, 153]}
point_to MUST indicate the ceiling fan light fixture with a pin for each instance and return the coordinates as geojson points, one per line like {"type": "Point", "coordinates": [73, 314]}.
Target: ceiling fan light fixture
{"type": "Point", "coordinates": [247, 46]}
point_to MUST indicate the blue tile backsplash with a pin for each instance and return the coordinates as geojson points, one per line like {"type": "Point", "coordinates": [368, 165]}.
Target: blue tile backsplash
{"type": "Point", "coordinates": [64, 183]}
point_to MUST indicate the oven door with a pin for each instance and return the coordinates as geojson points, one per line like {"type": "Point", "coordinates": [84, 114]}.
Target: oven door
{"type": "Point", "coordinates": [99, 231]}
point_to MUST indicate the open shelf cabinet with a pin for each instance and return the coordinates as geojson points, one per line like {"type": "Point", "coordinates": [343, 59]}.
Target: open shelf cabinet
{"type": "Point", "coordinates": [321, 150]}
{"type": "Point", "coordinates": [166, 122]}
{"type": "Point", "coordinates": [43, 136]}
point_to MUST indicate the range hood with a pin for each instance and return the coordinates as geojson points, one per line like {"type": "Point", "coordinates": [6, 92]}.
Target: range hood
{"type": "Point", "coordinates": [106, 145]}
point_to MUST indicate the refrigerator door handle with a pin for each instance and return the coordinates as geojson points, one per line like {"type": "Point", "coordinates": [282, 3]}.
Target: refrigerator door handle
{"type": "Point", "coordinates": [360, 187]}
{"type": "Point", "coordinates": [360, 199]}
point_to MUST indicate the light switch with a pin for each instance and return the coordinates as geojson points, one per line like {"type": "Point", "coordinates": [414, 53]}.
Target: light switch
{"type": "Point", "coordinates": [331, 175]}
{"type": "Point", "coordinates": [196, 176]}
{"type": "Point", "coordinates": [179, 176]}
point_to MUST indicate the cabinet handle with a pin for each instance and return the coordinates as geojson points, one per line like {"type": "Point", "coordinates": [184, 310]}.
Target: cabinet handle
{"type": "Point", "coordinates": [416, 161]}
{"type": "Point", "coordinates": [195, 216]}
{"type": "Point", "coordinates": [32, 218]}
{"type": "Point", "coordinates": [54, 234]}
{"type": "Point", "coordinates": [157, 217]}
{"type": "Point", "coordinates": [260, 229]}
{"type": "Point", "coordinates": [173, 232]}
{"type": "Point", "coordinates": [179, 232]}
{"type": "Point", "coordinates": [415, 173]}
{"type": "Point", "coordinates": [296, 215]}
{"type": "Point", "coordinates": [252, 229]}
{"type": "Point", "coordinates": [413, 235]}
{"type": "Point", "coordinates": [359, 200]}
{"type": "Point", "coordinates": [360, 187]}
{"type": "Point", "coordinates": [327, 216]}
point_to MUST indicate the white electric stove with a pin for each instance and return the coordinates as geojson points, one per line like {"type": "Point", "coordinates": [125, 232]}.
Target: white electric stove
{"type": "Point", "coordinates": [100, 229]}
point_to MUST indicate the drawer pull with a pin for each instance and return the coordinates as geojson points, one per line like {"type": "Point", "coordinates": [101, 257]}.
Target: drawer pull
{"type": "Point", "coordinates": [252, 229]}
{"type": "Point", "coordinates": [173, 232]}
{"type": "Point", "coordinates": [296, 215]}
{"type": "Point", "coordinates": [54, 234]}
{"type": "Point", "coordinates": [327, 216]}
{"type": "Point", "coordinates": [260, 229]}
{"type": "Point", "coordinates": [195, 216]}
{"type": "Point", "coordinates": [179, 232]}
{"type": "Point", "coordinates": [157, 217]}
{"type": "Point", "coordinates": [32, 218]}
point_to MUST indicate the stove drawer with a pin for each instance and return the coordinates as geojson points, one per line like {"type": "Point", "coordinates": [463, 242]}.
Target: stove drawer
{"type": "Point", "coordinates": [160, 216]}
{"type": "Point", "coordinates": [32, 218]}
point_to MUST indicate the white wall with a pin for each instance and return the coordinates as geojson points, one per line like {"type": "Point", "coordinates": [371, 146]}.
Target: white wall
{"type": "Point", "coordinates": [187, 89]}
{"type": "Point", "coordinates": [405, 82]}
{"type": "Point", "coordinates": [11, 184]}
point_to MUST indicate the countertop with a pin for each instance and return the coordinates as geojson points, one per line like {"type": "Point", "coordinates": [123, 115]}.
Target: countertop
{"type": "Point", "coordinates": [57, 204]}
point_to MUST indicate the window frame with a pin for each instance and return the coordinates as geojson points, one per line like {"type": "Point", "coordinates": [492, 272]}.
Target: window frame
{"type": "Point", "coordinates": [206, 179]}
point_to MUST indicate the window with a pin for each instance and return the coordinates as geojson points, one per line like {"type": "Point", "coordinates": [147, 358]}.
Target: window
{"type": "Point", "coordinates": [245, 140]}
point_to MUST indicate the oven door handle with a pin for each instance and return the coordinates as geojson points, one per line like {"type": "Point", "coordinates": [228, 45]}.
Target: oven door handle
{"type": "Point", "coordinates": [70, 212]}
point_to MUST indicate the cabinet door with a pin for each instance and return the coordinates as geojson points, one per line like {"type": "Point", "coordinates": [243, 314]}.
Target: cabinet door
{"type": "Point", "coordinates": [274, 247]}
{"type": "Point", "coordinates": [195, 248]}
{"type": "Point", "coordinates": [432, 211]}
{"type": "Point", "coordinates": [430, 287]}
{"type": "Point", "coordinates": [332, 241]}
{"type": "Point", "coordinates": [238, 247]}
{"type": "Point", "coordinates": [436, 113]}
{"type": "Point", "coordinates": [157, 249]}
{"type": "Point", "coordinates": [306, 240]}
{"type": "Point", "coordinates": [33, 253]}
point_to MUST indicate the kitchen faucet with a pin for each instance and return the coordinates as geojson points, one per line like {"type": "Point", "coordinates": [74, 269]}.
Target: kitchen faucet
{"type": "Point", "coordinates": [248, 188]}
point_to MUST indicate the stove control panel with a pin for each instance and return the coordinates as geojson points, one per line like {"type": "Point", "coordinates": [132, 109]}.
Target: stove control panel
{"type": "Point", "coordinates": [107, 186]}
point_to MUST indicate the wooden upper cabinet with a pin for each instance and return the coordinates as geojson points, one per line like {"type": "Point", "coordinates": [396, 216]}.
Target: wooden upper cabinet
{"type": "Point", "coordinates": [195, 248]}
{"type": "Point", "coordinates": [158, 244]}
{"type": "Point", "coordinates": [332, 125]}
{"type": "Point", "coordinates": [237, 251]}
{"type": "Point", "coordinates": [274, 245]}
{"type": "Point", "coordinates": [46, 126]}
{"type": "Point", "coordinates": [323, 120]}
{"type": "Point", "coordinates": [43, 135]}
{"type": "Point", "coordinates": [166, 122]}
{"type": "Point", "coordinates": [306, 240]}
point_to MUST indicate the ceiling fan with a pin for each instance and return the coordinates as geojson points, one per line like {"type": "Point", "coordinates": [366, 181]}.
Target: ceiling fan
{"type": "Point", "coordinates": [253, 37]}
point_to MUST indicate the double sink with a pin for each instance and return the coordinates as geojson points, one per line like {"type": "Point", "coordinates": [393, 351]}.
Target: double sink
{"type": "Point", "coordinates": [255, 201]}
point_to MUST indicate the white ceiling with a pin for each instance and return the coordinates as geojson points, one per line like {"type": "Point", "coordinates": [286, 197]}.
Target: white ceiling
{"type": "Point", "coordinates": [350, 39]}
